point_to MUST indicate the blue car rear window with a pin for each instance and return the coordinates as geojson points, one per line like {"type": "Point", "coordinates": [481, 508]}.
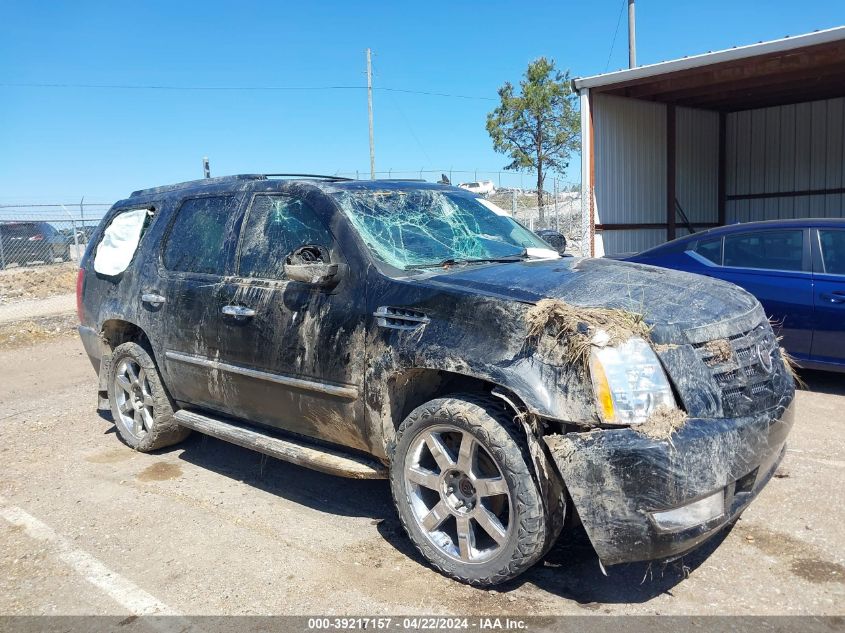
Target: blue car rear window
{"type": "Point", "coordinates": [833, 251]}
{"type": "Point", "coordinates": [772, 250]}
{"type": "Point", "coordinates": [711, 250]}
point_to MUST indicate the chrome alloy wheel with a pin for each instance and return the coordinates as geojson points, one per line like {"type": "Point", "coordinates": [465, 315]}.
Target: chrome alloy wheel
{"type": "Point", "coordinates": [458, 496]}
{"type": "Point", "coordinates": [134, 398]}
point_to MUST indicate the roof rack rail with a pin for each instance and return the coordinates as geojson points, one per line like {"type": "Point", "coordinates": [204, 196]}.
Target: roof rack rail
{"type": "Point", "coordinates": [197, 183]}
{"type": "Point", "coordinates": [320, 176]}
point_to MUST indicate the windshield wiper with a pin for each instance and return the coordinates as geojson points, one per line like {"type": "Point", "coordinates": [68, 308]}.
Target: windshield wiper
{"type": "Point", "coordinates": [461, 262]}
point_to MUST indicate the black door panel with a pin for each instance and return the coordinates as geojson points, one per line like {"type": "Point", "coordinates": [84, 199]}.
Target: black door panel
{"type": "Point", "coordinates": [295, 361]}
{"type": "Point", "coordinates": [196, 253]}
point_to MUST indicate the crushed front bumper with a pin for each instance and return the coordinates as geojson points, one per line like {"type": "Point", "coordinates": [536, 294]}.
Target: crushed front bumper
{"type": "Point", "coordinates": [618, 478]}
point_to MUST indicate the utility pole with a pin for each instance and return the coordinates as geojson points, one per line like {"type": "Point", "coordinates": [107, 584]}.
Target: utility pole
{"type": "Point", "coordinates": [370, 113]}
{"type": "Point", "coordinates": [632, 36]}
{"type": "Point", "coordinates": [206, 168]}
{"type": "Point", "coordinates": [82, 212]}
{"type": "Point", "coordinates": [72, 228]}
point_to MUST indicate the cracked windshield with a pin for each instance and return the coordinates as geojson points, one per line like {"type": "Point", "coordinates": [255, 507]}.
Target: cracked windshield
{"type": "Point", "coordinates": [419, 228]}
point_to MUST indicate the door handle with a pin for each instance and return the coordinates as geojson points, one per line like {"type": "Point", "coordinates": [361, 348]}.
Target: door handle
{"type": "Point", "coordinates": [239, 312]}
{"type": "Point", "coordinates": [837, 296]}
{"type": "Point", "coordinates": [153, 299]}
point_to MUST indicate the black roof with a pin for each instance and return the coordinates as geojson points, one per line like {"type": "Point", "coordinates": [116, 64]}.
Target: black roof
{"type": "Point", "coordinates": [346, 183]}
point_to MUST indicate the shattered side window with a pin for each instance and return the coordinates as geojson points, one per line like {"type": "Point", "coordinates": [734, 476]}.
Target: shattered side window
{"type": "Point", "coordinates": [413, 228]}
{"type": "Point", "coordinates": [276, 226]}
{"type": "Point", "coordinates": [197, 240]}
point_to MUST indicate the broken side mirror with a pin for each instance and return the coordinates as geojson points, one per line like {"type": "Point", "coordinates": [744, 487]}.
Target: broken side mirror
{"type": "Point", "coordinates": [561, 248]}
{"type": "Point", "coordinates": [555, 239]}
{"type": "Point", "coordinates": [311, 265]}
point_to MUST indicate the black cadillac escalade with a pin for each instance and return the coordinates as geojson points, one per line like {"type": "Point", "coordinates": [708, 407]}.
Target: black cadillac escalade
{"type": "Point", "coordinates": [416, 332]}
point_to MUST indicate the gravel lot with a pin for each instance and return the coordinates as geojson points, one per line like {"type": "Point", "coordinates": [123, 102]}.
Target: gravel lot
{"type": "Point", "coordinates": [90, 527]}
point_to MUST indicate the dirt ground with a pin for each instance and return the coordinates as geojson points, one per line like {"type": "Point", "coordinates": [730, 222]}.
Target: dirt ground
{"type": "Point", "coordinates": [36, 282]}
{"type": "Point", "coordinates": [88, 526]}
{"type": "Point", "coordinates": [37, 303]}
{"type": "Point", "coordinates": [29, 331]}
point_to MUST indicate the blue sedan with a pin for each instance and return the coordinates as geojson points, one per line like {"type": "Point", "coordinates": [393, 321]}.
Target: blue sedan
{"type": "Point", "coordinates": [796, 268]}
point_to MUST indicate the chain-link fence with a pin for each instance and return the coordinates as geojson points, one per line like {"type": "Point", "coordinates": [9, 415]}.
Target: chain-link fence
{"type": "Point", "coordinates": [39, 250]}
{"type": "Point", "coordinates": [560, 212]}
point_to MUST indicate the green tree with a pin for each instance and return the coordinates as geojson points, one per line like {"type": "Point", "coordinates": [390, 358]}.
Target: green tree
{"type": "Point", "coordinates": [539, 128]}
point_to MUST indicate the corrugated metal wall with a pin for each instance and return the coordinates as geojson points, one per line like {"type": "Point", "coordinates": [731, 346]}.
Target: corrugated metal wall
{"type": "Point", "coordinates": [629, 240]}
{"type": "Point", "coordinates": [697, 165]}
{"type": "Point", "coordinates": [630, 170]}
{"type": "Point", "coordinates": [786, 148]}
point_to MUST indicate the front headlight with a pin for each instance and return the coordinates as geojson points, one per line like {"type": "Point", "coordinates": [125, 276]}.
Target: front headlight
{"type": "Point", "coordinates": [629, 382]}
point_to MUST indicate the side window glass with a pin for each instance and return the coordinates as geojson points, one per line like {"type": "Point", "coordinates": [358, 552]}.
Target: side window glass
{"type": "Point", "coordinates": [833, 251]}
{"type": "Point", "coordinates": [276, 226]}
{"type": "Point", "coordinates": [772, 250]}
{"type": "Point", "coordinates": [197, 240]}
{"type": "Point", "coordinates": [710, 250]}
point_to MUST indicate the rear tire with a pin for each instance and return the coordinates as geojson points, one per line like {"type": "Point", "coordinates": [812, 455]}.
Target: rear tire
{"type": "Point", "coordinates": [462, 483]}
{"type": "Point", "coordinates": [142, 410]}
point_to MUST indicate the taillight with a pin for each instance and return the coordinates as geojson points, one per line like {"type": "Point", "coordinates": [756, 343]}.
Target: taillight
{"type": "Point", "coordinates": [36, 238]}
{"type": "Point", "coordinates": [80, 280]}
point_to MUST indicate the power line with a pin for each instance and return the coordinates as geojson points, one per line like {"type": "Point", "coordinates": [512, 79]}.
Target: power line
{"type": "Point", "coordinates": [58, 204]}
{"type": "Point", "coordinates": [232, 88]}
{"type": "Point", "coordinates": [408, 124]}
{"type": "Point", "coordinates": [615, 33]}
{"type": "Point", "coordinates": [167, 87]}
{"type": "Point", "coordinates": [437, 94]}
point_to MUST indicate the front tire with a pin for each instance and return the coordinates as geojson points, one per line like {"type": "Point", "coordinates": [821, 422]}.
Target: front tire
{"type": "Point", "coordinates": [142, 411]}
{"type": "Point", "coordinates": [462, 484]}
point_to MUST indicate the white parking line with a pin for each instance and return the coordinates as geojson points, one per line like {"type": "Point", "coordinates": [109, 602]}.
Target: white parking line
{"type": "Point", "coordinates": [126, 593]}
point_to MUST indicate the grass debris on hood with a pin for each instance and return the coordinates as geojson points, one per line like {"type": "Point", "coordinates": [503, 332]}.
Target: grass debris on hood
{"type": "Point", "coordinates": [663, 422]}
{"type": "Point", "coordinates": [566, 332]}
{"type": "Point", "coordinates": [791, 366]}
{"type": "Point", "coordinates": [720, 351]}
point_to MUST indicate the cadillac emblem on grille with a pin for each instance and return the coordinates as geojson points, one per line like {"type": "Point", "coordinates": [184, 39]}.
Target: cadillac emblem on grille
{"type": "Point", "coordinates": [765, 357]}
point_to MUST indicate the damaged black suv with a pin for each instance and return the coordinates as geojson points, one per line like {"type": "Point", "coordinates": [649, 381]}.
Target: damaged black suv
{"type": "Point", "coordinates": [416, 332]}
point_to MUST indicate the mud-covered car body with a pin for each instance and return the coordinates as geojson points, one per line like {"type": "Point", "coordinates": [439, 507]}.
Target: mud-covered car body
{"type": "Point", "coordinates": [345, 362]}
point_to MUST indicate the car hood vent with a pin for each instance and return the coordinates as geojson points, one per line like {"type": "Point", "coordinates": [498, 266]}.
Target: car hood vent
{"type": "Point", "coordinates": [400, 318]}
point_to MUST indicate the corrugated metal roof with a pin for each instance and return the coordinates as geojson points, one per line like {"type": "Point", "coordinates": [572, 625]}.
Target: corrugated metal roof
{"type": "Point", "coordinates": [696, 61]}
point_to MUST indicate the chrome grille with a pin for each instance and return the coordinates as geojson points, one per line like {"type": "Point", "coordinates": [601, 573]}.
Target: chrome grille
{"type": "Point", "coordinates": [746, 379]}
{"type": "Point", "coordinates": [400, 318]}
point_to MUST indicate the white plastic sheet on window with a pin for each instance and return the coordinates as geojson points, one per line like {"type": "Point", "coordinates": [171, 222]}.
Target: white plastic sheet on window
{"type": "Point", "coordinates": [120, 241]}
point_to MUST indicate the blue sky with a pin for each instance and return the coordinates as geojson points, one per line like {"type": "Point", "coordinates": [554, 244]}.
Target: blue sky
{"type": "Point", "coordinates": [58, 144]}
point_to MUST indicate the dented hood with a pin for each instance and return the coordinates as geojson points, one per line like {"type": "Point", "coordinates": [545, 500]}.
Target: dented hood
{"type": "Point", "coordinates": [671, 301]}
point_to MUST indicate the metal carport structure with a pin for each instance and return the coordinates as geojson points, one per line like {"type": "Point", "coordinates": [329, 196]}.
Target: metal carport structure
{"type": "Point", "coordinates": [750, 133]}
